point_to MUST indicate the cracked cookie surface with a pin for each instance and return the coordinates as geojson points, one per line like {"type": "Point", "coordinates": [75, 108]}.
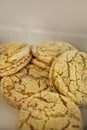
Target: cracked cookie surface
{"type": "Point", "coordinates": [46, 51]}
{"type": "Point", "coordinates": [30, 80]}
{"type": "Point", "coordinates": [69, 76]}
{"type": "Point", "coordinates": [49, 111]}
{"type": "Point", "coordinates": [13, 57]}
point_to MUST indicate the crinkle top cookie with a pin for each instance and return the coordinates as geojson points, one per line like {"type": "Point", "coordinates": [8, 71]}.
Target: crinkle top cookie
{"type": "Point", "coordinates": [13, 57]}
{"type": "Point", "coordinates": [30, 80]}
{"type": "Point", "coordinates": [46, 51]}
{"type": "Point", "coordinates": [69, 75]}
{"type": "Point", "coordinates": [49, 111]}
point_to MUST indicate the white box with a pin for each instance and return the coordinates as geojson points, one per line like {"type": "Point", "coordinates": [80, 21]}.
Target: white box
{"type": "Point", "coordinates": [40, 20]}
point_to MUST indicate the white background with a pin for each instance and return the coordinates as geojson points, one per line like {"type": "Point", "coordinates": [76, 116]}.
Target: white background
{"type": "Point", "coordinates": [36, 20]}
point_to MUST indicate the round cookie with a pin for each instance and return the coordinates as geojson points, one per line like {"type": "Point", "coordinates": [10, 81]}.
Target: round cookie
{"type": "Point", "coordinates": [40, 64]}
{"type": "Point", "coordinates": [30, 80]}
{"type": "Point", "coordinates": [46, 51]}
{"type": "Point", "coordinates": [13, 57]}
{"type": "Point", "coordinates": [69, 76]}
{"type": "Point", "coordinates": [49, 111]}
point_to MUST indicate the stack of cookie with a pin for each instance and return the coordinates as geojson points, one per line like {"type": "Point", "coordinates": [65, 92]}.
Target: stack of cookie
{"type": "Point", "coordinates": [46, 82]}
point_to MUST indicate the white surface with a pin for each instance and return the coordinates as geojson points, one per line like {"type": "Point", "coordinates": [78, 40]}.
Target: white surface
{"type": "Point", "coordinates": [8, 116]}
{"type": "Point", "coordinates": [84, 116]}
{"type": "Point", "coordinates": [40, 20]}
{"type": "Point", "coordinates": [20, 20]}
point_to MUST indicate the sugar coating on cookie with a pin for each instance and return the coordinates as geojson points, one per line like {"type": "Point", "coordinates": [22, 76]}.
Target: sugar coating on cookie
{"type": "Point", "coordinates": [46, 51]}
{"type": "Point", "coordinates": [30, 80]}
{"type": "Point", "coordinates": [49, 111]}
{"type": "Point", "coordinates": [69, 76]}
{"type": "Point", "coordinates": [13, 57]}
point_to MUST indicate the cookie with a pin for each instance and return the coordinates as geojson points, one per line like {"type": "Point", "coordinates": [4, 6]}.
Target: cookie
{"type": "Point", "coordinates": [52, 86]}
{"type": "Point", "coordinates": [46, 51]}
{"type": "Point", "coordinates": [49, 111]}
{"type": "Point", "coordinates": [13, 57]}
{"type": "Point", "coordinates": [30, 80]}
{"type": "Point", "coordinates": [40, 64]}
{"type": "Point", "coordinates": [69, 76]}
